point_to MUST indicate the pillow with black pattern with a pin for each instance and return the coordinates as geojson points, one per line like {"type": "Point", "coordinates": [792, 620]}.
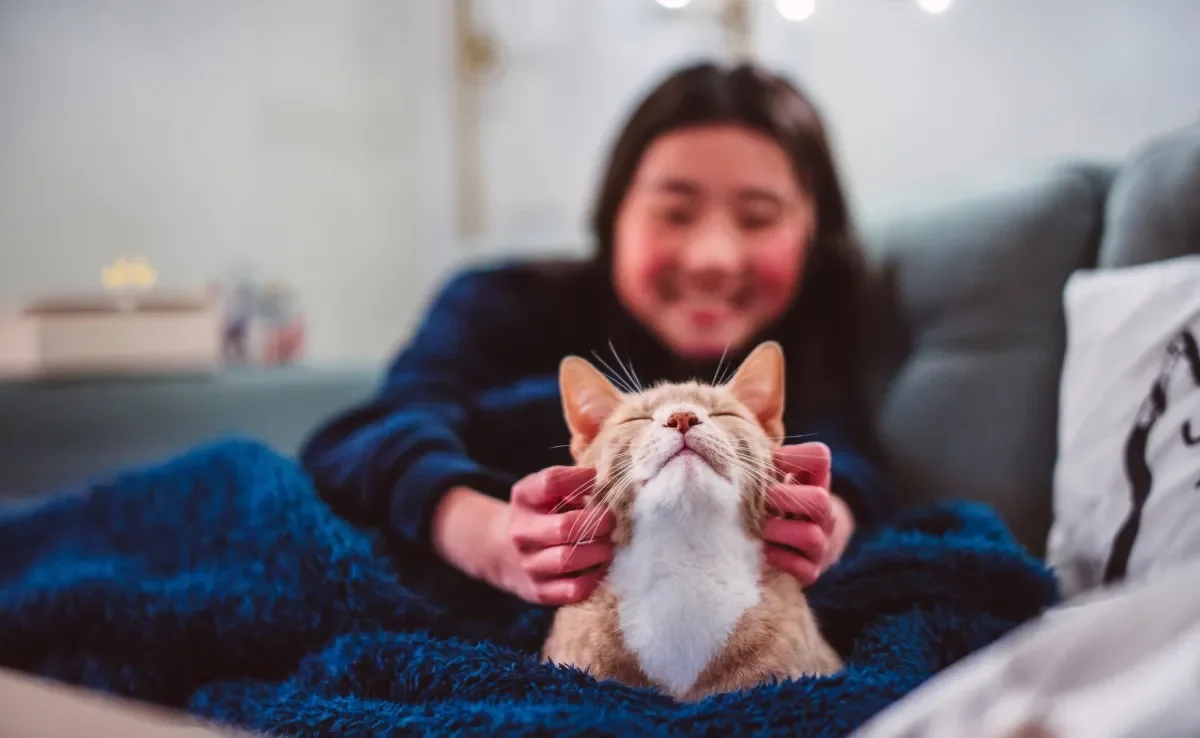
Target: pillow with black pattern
{"type": "Point", "coordinates": [1127, 477]}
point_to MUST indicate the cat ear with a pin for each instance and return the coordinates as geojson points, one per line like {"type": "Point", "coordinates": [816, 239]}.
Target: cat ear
{"type": "Point", "coordinates": [759, 385]}
{"type": "Point", "coordinates": [588, 399]}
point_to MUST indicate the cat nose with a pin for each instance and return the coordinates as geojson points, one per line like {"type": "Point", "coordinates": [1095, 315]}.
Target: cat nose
{"type": "Point", "coordinates": [681, 420]}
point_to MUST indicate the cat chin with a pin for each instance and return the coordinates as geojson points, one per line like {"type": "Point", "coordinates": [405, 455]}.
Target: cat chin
{"type": "Point", "coordinates": [686, 480]}
{"type": "Point", "coordinates": [680, 466]}
{"type": "Point", "coordinates": [693, 459]}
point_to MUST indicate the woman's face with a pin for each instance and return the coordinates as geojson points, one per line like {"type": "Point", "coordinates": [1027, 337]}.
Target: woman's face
{"type": "Point", "coordinates": [711, 239]}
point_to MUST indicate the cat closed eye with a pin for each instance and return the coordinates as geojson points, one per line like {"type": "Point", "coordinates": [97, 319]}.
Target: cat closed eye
{"type": "Point", "coordinates": [640, 418]}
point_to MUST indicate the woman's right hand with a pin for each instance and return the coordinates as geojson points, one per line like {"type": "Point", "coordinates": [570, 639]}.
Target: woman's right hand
{"type": "Point", "coordinates": [552, 549]}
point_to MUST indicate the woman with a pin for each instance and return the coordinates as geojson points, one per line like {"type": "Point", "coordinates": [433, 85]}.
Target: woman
{"type": "Point", "coordinates": [720, 222]}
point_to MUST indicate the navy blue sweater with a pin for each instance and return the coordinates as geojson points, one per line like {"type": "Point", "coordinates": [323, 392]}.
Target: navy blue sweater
{"type": "Point", "coordinates": [473, 400]}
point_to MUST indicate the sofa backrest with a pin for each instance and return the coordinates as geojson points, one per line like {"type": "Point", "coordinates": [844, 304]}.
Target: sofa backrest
{"type": "Point", "coordinates": [971, 319]}
{"type": "Point", "coordinates": [1153, 209]}
{"type": "Point", "coordinates": [972, 324]}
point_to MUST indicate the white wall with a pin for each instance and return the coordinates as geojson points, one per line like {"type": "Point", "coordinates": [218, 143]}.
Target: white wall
{"type": "Point", "coordinates": [572, 70]}
{"type": "Point", "coordinates": [915, 99]}
{"type": "Point", "coordinates": [306, 137]}
{"type": "Point", "coordinates": [912, 99]}
{"type": "Point", "coordinates": [314, 138]}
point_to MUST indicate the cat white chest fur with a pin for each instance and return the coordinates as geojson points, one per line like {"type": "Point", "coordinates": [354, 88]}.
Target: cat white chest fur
{"type": "Point", "coordinates": [687, 575]}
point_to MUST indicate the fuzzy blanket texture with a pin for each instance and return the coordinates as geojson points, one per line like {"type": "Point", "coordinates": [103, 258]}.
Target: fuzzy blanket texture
{"type": "Point", "coordinates": [219, 582]}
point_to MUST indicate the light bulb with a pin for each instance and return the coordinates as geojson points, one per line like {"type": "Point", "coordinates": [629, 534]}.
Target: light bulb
{"type": "Point", "coordinates": [935, 7]}
{"type": "Point", "coordinates": [673, 4]}
{"type": "Point", "coordinates": [795, 10]}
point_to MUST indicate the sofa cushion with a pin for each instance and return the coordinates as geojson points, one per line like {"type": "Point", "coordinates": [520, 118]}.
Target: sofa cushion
{"type": "Point", "coordinates": [1125, 485]}
{"type": "Point", "coordinates": [973, 329]}
{"type": "Point", "coordinates": [1154, 205]}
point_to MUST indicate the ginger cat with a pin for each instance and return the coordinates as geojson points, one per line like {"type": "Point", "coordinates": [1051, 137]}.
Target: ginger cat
{"type": "Point", "coordinates": [688, 606]}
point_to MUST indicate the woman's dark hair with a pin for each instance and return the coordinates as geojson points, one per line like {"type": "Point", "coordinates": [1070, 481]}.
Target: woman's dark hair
{"type": "Point", "coordinates": [829, 308]}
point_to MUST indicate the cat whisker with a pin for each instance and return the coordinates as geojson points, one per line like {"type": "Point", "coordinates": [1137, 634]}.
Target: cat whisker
{"type": "Point", "coordinates": [629, 373]}
{"type": "Point", "coordinates": [730, 370]}
{"type": "Point", "coordinates": [716, 380]}
{"type": "Point", "coordinates": [790, 438]}
{"type": "Point", "coordinates": [752, 469]}
{"type": "Point", "coordinates": [587, 528]}
{"type": "Point", "coordinates": [572, 496]}
{"type": "Point", "coordinates": [569, 498]}
{"type": "Point", "coordinates": [753, 461]}
{"type": "Point", "coordinates": [591, 522]}
{"type": "Point", "coordinates": [805, 509]}
{"type": "Point", "coordinates": [614, 376]}
{"type": "Point", "coordinates": [749, 466]}
{"type": "Point", "coordinates": [747, 461]}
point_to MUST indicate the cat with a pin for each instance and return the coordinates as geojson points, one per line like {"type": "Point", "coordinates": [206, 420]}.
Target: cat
{"type": "Point", "coordinates": [688, 605]}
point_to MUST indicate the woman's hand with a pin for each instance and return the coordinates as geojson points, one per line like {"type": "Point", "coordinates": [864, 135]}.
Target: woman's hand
{"type": "Point", "coordinates": [551, 550]}
{"type": "Point", "coordinates": [811, 526]}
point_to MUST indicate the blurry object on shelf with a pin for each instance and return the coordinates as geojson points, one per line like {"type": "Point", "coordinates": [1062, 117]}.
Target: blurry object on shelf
{"type": "Point", "coordinates": [282, 326]}
{"type": "Point", "coordinates": [125, 274]}
{"type": "Point", "coordinates": [239, 312]}
{"type": "Point", "coordinates": [148, 333]}
{"type": "Point", "coordinates": [263, 324]}
{"type": "Point", "coordinates": [18, 345]}
{"type": "Point", "coordinates": [129, 328]}
{"type": "Point", "coordinates": [133, 326]}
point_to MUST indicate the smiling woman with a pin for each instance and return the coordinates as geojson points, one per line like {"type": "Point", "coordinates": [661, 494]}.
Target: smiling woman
{"type": "Point", "coordinates": [720, 224]}
{"type": "Point", "coordinates": [713, 235]}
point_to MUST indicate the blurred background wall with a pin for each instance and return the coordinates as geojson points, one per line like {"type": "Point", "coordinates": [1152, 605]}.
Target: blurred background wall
{"type": "Point", "coordinates": [342, 146]}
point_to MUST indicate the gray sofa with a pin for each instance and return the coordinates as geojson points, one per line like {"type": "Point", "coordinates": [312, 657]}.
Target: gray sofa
{"type": "Point", "coordinates": [54, 434]}
{"type": "Point", "coordinates": [971, 331]}
{"type": "Point", "coordinates": [971, 301]}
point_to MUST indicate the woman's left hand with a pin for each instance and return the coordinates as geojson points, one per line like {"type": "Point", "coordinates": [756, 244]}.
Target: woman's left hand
{"type": "Point", "coordinates": [810, 526]}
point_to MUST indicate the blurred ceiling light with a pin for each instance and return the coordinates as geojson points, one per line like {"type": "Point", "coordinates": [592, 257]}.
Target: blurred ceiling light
{"type": "Point", "coordinates": [795, 10]}
{"type": "Point", "coordinates": [934, 7]}
{"type": "Point", "coordinates": [673, 4]}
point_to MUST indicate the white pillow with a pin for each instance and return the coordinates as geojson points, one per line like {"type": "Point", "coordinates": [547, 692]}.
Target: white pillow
{"type": "Point", "coordinates": [1129, 425]}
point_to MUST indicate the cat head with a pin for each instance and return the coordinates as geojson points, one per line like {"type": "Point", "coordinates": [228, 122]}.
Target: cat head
{"type": "Point", "coordinates": [715, 438]}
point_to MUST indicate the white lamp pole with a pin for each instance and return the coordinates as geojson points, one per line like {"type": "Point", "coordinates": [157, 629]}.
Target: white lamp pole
{"type": "Point", "coordinates": [478, 58]}
{"type": "Point", "coordinates": [737, 18]}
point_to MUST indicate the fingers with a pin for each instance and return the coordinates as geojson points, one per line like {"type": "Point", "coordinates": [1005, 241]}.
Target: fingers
{"type": "Point", "coordinates": [808, 463]}
{"type": "Point", "coordinates": [802, 537]}
{"type": "Point", "coordinates": [802, 503]}
{"type": "Point", "coordinates": [561, 561]}
{"type": "Point", "coordinates": [567, 590]}
{"type": "Point", "coordinates": [554, 488]}
{"type": "Point", "coordinates": [532, 531]}
{"type": "Point", "coordinates": [803, 570]}
{"type": "Point", "coordinates": [563, 555]}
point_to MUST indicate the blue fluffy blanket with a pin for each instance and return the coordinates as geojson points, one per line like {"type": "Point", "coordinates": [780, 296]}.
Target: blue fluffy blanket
{"type": "Point", "coordinates": [219, 582]}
